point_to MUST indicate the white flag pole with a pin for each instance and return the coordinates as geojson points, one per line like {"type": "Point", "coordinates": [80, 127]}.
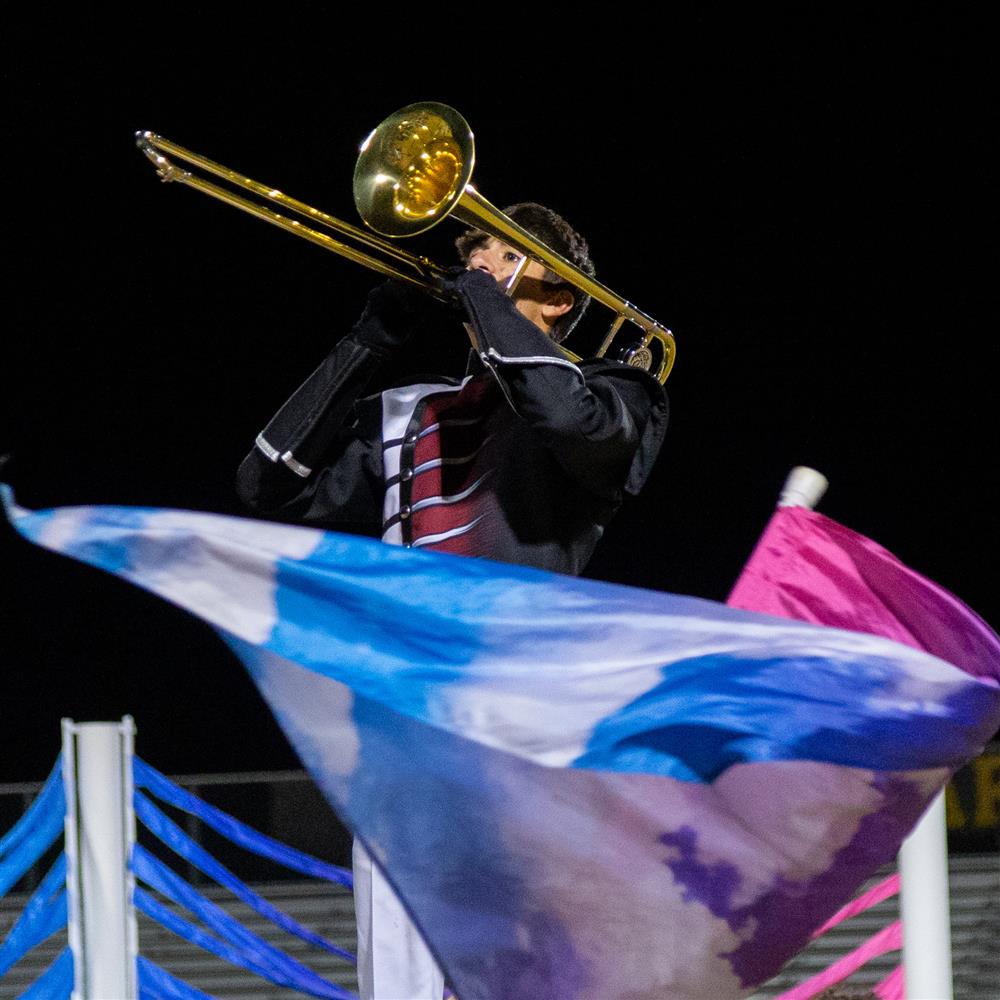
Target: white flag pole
{"type": "Point", "coordinates": [71, 826]}
{"type": "Point", "coordinates": [923, 859]}
{"type": "Point", "coordinates": [100, 832]}
{"type": "Point", "coordinates": [804, 487]}
{"type": "Point", "coordinates": [924, 907]}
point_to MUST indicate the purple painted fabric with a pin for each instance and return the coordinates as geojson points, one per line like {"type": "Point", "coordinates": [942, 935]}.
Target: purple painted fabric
{"type": "Point", "coordinates": [580, 791]}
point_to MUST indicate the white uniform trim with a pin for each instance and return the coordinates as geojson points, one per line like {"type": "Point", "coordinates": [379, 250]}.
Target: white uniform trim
{"type": "Point", "coordinates": [296, 466]}
{"type": "Point", "coordinates": [433, 463]}
{"type": "Point", "coordinates": [533, 359]}
{"type": "Point", "coordinates": [451, 422]}
{"type": "Point", "coordinates": [272, 453]}
{"type": "Point", "coordinates": [398, 406]}
{"type": "Point", "coordinates": [442, 535]}
{"type": "Point", "coordinates": [453, 498]}
{"type": "Point", "coordinates": [288, 458]}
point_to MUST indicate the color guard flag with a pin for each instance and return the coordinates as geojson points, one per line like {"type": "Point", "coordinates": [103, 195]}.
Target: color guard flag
{"type": "Point", "coordinates": [810, 568]}
{"type": "Point", "coordinates": [579, 790]}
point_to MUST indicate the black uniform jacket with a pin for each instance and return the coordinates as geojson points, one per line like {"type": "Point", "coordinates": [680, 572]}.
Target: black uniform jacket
{"type": "Point", "coordinates": [525, 461]}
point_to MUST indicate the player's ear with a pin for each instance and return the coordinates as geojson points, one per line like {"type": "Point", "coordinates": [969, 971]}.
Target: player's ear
{"type": "Point", "coordinates": [559, 302]}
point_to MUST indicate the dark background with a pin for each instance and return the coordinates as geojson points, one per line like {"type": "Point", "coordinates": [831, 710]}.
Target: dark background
{"type": "Point", "coordinates": [805, 202]}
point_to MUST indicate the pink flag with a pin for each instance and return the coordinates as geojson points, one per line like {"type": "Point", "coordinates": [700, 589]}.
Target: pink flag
{"type": "Point", "coordinates": [812, 569]}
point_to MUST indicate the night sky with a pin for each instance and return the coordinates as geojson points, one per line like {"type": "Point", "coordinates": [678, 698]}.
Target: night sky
{"type": "Point", "coordinates": [806, 205]}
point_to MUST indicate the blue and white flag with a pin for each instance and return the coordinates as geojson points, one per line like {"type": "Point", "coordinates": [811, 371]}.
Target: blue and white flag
{"type": "Point", "coordinates": [579, 790]}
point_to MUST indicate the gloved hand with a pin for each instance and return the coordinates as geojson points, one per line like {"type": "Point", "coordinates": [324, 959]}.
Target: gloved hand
{"type": "Point", "coordinates": [483, 300]}
{"type": "Point", "coordinates": [394, 310]}
{"type": "Point", "coordinates": [459, 282]}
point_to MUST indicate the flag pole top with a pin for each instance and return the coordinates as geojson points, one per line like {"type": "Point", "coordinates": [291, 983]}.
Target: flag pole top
{"type": "Point", "coordinates": [804, 487]}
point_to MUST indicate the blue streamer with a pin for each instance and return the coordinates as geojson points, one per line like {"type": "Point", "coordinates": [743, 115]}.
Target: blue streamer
{"type": "Point", "coordinates": [155, 910]}
{"type": "Point", "coordinates": [34, 833]}
{"type": "Point", "coordinates": [238, 945]}
{"type": "Point", "coordinates": [179, 842]}
{"type": "Point", "coordinates": [239, 833]}
{"type": "Point", "coordinates": [50, 798]}
{"type": "Point", "coordinates": [55, 983]}
{"type": "Point", "coordinates": [32, 846]}
{"type": "Point", "coordinates": [27, 853]}
{"type": "Point", "coordinates": [158, 984]}
{"type": "Point", "coordinates": [42, 916]}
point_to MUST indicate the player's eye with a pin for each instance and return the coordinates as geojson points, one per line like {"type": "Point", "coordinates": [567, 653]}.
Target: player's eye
{"type": "Point", "coordinates": [511, 257]}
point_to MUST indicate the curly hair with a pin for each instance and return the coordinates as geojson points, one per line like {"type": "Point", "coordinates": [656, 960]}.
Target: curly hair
{"type": "Point", "coordinates": [555, 232]}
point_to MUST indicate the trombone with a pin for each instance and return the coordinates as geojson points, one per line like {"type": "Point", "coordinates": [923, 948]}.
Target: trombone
{"type": "Point", "coordinates": [413, 170]}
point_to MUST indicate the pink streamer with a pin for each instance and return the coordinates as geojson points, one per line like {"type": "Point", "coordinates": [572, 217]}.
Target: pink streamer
{"type": "Point", "coordinates": [893, 987]}
{"type": "Point", "coordinates": [888, 939]}
{"type": "Point", "coordinates": [875, 895]}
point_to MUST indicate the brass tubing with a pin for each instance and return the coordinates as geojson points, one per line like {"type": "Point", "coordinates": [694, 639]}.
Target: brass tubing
{"type": "Point", "coordinates": [154, 146]}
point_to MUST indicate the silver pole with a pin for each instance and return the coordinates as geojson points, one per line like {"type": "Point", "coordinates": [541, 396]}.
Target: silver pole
{"type": "Point", "coordinates": [924, 907]}
{"type": "Point", "coordinates": [100, 833]}
{"type": "Point", "coordinates": [72, 823]}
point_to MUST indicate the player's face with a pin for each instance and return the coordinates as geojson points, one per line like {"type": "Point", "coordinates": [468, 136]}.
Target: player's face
{"type": "Point", "coordinates": [500, 260]}
{"type": "Point", "coordinates": [534, 299]}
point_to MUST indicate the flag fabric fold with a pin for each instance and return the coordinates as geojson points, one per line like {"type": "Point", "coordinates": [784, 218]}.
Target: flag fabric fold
{"type": "Point", "coordinates": [579, 790]}
{"type": "Point", "coordinates": [810, 568]}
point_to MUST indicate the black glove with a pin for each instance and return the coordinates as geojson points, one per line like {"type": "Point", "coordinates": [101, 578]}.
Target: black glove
{"type": "Point", "coordinates": [483, 300]}
{"type": "Point", "coordinates": [394, 310]}
{"type": "Point", "coordinates": [498, 323]}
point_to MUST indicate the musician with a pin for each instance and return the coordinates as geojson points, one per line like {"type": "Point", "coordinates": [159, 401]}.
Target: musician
{"type": "Point", "coordinates": [524, 460]}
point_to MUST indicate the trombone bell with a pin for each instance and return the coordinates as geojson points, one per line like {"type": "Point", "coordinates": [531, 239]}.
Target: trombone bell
{"type": "Point", "coordinates": [413, 169]}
